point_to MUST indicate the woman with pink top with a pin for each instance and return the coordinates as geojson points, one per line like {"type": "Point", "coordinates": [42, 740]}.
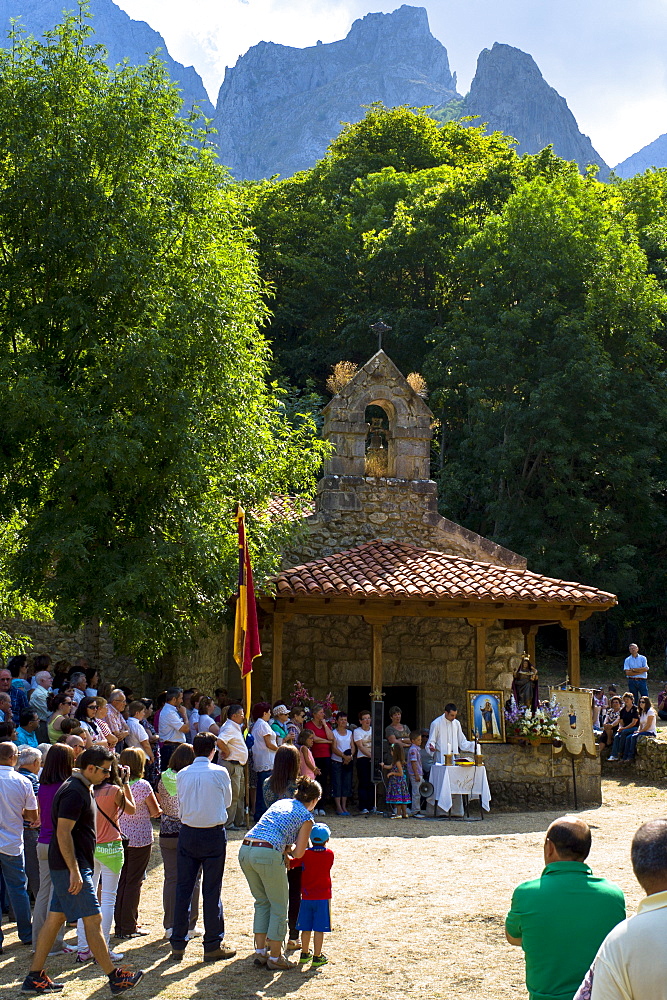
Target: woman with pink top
{"type": "Point", "coordinates": [113, 799]}
{"type": "Point", "coordinates": [139, 832]}
{"type": "Point", "coordinates": [57, 769]}
{"type": "Point", "coordinates": [307, 766]}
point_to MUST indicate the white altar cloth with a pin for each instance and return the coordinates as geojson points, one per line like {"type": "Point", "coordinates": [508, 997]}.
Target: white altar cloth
{"type": "Point", "coordinates": [455, 780]}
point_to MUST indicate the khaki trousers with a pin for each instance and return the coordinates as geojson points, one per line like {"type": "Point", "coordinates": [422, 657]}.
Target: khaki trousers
{"type": "Point", "coordinates": [236, 811]}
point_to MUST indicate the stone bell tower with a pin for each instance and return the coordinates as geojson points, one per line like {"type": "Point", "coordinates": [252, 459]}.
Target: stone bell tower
{"type": "Point", "coordinates": [376, 482]}
{"type": "Point", "coordinates": [406, 439]}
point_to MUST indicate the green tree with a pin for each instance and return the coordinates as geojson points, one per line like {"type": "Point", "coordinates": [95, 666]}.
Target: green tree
{"type": "Point", "coordinates": [552, 387]}
{"type": "Point", "coordinates": [368, 233]}
{"type": "Point", "coordinates": [134, 403]}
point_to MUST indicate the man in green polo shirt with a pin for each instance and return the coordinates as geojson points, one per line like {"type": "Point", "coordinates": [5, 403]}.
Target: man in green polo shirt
{"type": "Point", "coordinates": [561, 918]}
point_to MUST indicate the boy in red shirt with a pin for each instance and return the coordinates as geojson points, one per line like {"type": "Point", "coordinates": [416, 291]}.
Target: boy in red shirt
{"type": "Point", "coordinates": [315, 909]}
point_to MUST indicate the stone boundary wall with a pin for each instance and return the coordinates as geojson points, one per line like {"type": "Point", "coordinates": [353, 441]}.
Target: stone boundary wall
{"type": "Point", "coordinates": [651, 759]}
{"type": "Point", "coordinates": [535, 778]}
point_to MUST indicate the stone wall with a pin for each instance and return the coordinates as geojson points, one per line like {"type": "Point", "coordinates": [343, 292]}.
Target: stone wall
{"type": "Point", "coordinates": [207, 666]}
{"type": "Point", "coordinates": [436, 655]}
{"type": "Point", "coordinates": [352, 510]}
{"type": "Point", "coordinates": [537, 778]}
{"type": "Point", "coordinates": [92, 641]}
{"type": "Point", "coordinates": [651, 760]}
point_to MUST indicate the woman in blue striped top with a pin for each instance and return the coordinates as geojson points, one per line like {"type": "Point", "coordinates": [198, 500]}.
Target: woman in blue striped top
{"type": "Point", "coordinates": [281, 833]}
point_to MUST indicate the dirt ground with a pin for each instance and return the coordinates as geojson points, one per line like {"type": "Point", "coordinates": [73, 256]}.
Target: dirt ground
{"type": "Point", "coordinates": [418, 911]}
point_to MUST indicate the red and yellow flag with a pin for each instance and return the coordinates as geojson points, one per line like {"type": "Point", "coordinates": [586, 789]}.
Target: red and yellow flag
{"type": "Point", "coordinates": [246, 631]}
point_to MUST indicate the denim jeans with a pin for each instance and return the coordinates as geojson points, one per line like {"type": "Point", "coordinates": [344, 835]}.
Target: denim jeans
{"type": "Point", "coordinates": [631, 745]}
{"type": "Point", "coordinates": [618, 746]}
{"type": "Point", "coordinates": [341, 779]}
{"type": "Point", "coordinates": [638, 686]}
{"type": "Point", "coordinates": [16, 884]}
{"type": "Point", "coordinates": [204, 848]}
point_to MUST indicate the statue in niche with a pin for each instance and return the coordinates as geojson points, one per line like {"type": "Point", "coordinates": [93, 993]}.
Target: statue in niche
{"type": "Point", "coordinates": [525, 687]}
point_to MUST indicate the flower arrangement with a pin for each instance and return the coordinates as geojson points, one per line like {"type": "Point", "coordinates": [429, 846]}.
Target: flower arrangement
{"type": "Point", "coordinates": [522, 721]}
{"type": "Point", "coordinates": [302, 698]}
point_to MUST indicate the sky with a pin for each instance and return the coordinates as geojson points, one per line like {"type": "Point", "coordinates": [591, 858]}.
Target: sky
{"type": "Point", "coordinates": [607, 58]}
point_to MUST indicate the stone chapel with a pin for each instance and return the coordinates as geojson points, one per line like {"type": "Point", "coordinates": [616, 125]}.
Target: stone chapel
{"type": "Point", "coordinates": [382, 594]}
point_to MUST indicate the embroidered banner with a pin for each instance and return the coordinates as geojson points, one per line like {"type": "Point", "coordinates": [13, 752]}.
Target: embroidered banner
{"type": "Point", "coordinates": [575, 723]}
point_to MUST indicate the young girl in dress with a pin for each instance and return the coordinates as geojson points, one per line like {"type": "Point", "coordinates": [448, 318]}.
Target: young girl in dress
{"type": "Point", "coordinates": [397, 787]}
{"type": "Point", "coordinates": [307, 766]}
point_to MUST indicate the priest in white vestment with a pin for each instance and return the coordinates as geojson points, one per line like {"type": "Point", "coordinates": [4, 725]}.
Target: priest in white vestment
{"type": "Point", "coordinates": [446, 732]}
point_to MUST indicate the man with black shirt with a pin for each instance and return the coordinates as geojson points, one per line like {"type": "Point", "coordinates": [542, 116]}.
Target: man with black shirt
{"type": "Point", "coordinates": [71, 862]}
{"type": "Point", "coordinates": [629, 724]}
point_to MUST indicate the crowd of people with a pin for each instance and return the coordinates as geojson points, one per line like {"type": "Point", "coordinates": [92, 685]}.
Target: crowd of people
{"type": "Point", "coordinates": [90, 771]}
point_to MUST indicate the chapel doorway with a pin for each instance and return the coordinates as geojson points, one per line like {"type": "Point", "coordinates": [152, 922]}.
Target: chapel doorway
{"type": "Point", "coordinates": [406, 696]}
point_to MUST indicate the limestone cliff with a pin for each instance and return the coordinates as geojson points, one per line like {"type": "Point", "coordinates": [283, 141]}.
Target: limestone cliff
{"type": "Point", "coordinates": [653, 155]}
{"type": "Point", "coordinates": [123, 37]}
{"type": "Point", "coordinates": [279, 107]}
{"type": "Point", "coordinates": [510, 94]}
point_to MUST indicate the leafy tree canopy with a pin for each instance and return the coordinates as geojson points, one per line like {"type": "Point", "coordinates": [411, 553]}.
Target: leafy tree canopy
{"type": "Point", "coordinates": [134, 403]}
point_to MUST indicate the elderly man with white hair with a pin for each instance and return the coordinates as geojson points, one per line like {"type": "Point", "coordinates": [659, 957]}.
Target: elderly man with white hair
{"type": "Point", "coordinates": [38, 701]}
{"type": "Point", "coordinates": [114, 718]}
{"type": "Point", "coordinates": [29, 765]}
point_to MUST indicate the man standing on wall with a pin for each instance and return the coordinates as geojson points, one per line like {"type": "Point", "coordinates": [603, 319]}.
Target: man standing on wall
{"type": "Point", "coordinates": [636, 670]}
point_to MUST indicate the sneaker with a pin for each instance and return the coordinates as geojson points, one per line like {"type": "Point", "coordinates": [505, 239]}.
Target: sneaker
{"type": "Point", "coordinates": [319, 960]}
{"type": "Point", "coordinates": [260, 958]}
{"type": "Point", "coordinates": [612, 758]}
{"type": "Point", "coordinates": [167, 933]}
{"type": "Point", "coordinates": [84, 956]}
{"type": "Point", "coordinates": [197, 932]}
{"type": "Point", "coordinates": [321, 812]}
{"type": "Point", "coordinates": [419, 815]}
{"type": "Point", "coordinates": [40, 983]}
{"type": "Point", "coordinates": [280, 964]}
{"type": "Point", "coordinates": [363, 812]}
{"type": "Point", "coordinates": [116, 956]}
{"type": "Point", "coordinates": [123, 979]}
{"type": "Point", "coordinates": [305, 957]}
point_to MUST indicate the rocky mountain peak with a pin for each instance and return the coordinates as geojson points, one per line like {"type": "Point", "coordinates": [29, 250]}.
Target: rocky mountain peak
{"type": "Point", "coordinates": [279, 107]}
{"type": "Point", "coordinates": [510, 95]}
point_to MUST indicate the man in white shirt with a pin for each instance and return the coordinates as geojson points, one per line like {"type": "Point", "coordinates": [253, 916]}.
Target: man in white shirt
{"type": "Point", "coordinates": [18, 804]}
{"type": "Point", "coordinates": [174, 725]}
{"type": "Point", "coordinates": [230, 742]}
{"type": "Point", "coordinates": [631, 963]}
{"type": "Point", "coordinates": [636, 670]}
{"type": "Point", "coordinates": [204, 795]}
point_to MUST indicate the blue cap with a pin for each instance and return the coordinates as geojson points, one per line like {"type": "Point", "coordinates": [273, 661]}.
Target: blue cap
{"type": "Point", "coordinates": [320, 833]}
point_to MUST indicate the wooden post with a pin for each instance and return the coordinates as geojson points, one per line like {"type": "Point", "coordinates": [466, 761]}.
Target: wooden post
{"type": "Point", "coordinates": [376, 661]}
{"type": "Point", "coordinates": [573, 663]}
{"type": "Point", "coordinates": [277, 657]}
{"type": "Point", "coordinates": [530, 643]}
{"type": "Point", "coordinates": [480, 628]}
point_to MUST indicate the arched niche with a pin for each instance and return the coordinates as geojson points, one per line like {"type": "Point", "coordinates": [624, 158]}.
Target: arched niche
{"type": "Point", "coordinates": [380, 419]}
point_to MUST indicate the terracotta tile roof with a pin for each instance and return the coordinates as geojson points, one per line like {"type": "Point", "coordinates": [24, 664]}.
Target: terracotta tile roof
{"type": "Point", "coordinates": [395, 570]}
{"type": "Point", "coordinates": [291, 508]}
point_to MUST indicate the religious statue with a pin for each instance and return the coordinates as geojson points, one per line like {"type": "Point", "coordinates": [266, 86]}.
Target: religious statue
{"type": "Point", "coordinates": [525, 686]}
{"type": "Point", "coordinates": [487, 716]}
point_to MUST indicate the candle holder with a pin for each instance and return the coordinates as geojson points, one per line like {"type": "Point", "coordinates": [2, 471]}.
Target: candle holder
{"type": "Point", "coordinates": [449, 759]}
{"type": "Point", "coordinates": [479, 760]}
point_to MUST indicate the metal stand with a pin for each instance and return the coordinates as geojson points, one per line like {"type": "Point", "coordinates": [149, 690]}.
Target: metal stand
{"type": "Point", "coordinates": [574, 782]}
